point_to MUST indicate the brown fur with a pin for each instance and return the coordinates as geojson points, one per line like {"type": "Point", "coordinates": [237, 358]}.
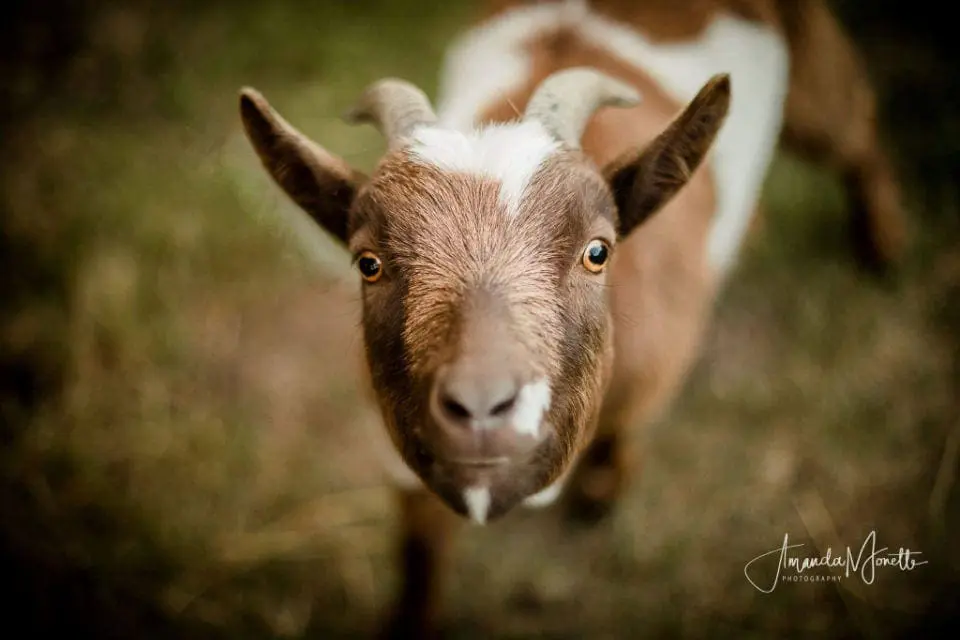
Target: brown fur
{"type": "Point", "coordinates": [830, 114]}
{"type": "Point", "coordinates": [830, 117]}
{"type": "Point", "coordinates": [446, 250]}
{"type": "Point", "coordinates": [661, 288]}
{"type": "Point", "coordinates": [453, 277]}
{"type": "Point", "coordinates": [666, 20]}
{"type": "Point", "coordinates": [427, 532]}
{"type": "Point", "coordinates": [321, 183]}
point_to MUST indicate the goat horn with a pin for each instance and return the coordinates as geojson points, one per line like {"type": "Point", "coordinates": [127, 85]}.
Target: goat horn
{"type": "Point", "coordinates": [394, 106]}
{"type": "Point", "coordinates": [565, 101]}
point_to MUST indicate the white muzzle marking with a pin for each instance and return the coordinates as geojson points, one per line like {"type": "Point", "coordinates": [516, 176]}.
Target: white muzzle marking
{"type": "Point", "coordinates": [532, 403]}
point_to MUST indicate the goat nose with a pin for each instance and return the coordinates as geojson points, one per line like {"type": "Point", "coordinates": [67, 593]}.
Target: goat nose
{"type": "Point", "coordinates": [473, 400]}
{"type": "Point", "coordinates": [484, 413]}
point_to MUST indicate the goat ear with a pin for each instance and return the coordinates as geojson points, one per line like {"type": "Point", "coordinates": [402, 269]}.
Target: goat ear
{"type": "Point", "coordinates": [322, 184]}
{"type": "Point", "coordinates": [642, 183]}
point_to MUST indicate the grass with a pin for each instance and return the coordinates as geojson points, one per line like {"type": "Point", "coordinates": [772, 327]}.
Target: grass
{"type": "Point", "coordinates": [190, 455]}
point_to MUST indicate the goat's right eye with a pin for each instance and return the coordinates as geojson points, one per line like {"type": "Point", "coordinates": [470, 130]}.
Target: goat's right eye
{"type": "Point", "coordinates": [370, 266]}
{"type": "Point", "coordinates": [595, 255]}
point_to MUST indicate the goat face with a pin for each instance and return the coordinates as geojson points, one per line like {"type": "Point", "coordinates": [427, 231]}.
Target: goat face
{"type": "Point", "coordinates": [485, 318]}
{"type": "Point", "coordinates": [484, 259]}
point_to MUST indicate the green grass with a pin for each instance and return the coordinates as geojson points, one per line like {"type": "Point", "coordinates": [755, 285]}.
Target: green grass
{"type": "Point", "coordinates": [206, 454]}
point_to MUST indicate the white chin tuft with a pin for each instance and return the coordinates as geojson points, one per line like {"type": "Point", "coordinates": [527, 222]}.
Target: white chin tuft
{"type": "Point", "coordinates": [477, 500]}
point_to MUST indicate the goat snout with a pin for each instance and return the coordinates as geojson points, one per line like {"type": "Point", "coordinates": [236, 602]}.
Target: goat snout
{"type": "Point", "coordinates": [481, 400]}
{"type": "Point", "coordinates": [486, 416]}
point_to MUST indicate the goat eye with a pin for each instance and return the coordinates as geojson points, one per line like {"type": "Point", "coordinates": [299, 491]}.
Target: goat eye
{"type": "Point", "coordinates": [596, 255]}
{"type": "Point", "coordinates": [370, 266]}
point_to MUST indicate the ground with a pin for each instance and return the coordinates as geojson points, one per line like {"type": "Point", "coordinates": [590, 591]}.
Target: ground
{"type": "Point", "coordinates": [182, 424]}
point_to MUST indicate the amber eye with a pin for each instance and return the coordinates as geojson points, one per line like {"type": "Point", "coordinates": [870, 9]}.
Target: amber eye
{"type": "Point", "coordinates": [596, 255]}
{"type": "Point", "coordinates": [370, 266]}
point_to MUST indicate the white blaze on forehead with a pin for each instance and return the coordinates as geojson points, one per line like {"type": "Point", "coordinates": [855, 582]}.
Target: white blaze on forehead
{"type": "Point", "coordinates": [532, 402]}
{"type": "Point", "coordinates": [508, 153]}
{"type": "Point", "coordinates": [477, 500]}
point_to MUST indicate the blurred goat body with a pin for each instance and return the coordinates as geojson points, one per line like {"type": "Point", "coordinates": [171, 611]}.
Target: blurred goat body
{"type": "Point", "coordinates": [541, 254]}
{"type": "Point", "coordinates": [796, 78]}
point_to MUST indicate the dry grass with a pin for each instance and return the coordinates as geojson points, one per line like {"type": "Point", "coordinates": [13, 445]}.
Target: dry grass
{"type": "Point", "coordinates": [186, 441]}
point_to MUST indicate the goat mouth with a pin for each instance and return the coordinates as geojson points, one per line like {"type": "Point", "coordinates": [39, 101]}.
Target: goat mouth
{"type": "Point", "coordinates": [480, 463]}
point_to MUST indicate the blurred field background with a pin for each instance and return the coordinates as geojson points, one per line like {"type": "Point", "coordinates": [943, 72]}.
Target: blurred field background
{"type": "Point", "coordinates": [181, 420]}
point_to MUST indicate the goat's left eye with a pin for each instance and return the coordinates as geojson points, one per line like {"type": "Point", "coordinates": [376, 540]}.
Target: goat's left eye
{"type": "Point", "coordinates": [596, 255]}
{"type": "Point", "coordinates": [370, 266]}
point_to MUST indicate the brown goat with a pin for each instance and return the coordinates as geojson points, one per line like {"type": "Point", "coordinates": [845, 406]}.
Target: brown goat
{"type": "Point", "coordinates": [522, 305]}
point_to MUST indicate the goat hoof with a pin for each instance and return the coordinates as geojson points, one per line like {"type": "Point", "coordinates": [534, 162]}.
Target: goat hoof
{"type": "Point", "coordinates": [593, 497]}
{"type": "Point", "coordinates": [581, 510]}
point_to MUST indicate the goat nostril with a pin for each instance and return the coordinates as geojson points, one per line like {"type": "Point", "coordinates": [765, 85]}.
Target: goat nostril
{"type": "Point", "coordinates": [455, 409]}
{"type": "Point", "coordinates": [502, 407]}
{"type": "Point", "coordinates": [477, 400]}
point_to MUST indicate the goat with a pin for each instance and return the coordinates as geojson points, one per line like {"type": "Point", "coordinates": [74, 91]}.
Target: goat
{"type": "Point", "coordinates": [533, 286]}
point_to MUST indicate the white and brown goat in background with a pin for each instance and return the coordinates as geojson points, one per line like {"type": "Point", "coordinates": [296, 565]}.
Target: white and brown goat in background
{"type": "Point", "coordinates": [522, 304]}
